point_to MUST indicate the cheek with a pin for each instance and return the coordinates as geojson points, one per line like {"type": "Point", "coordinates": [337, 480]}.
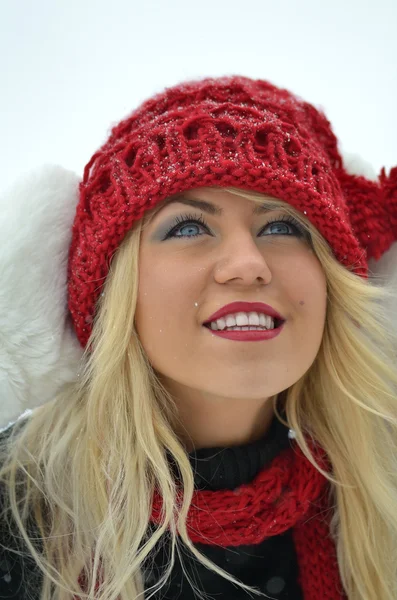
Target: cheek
{"type": "Point", "coordinates": [311, 303]}
{"type": "Point", "coordinates": [165, 315]}
{"type": "Point", "coordinates": [152, 298]}
{"type": "Point", "coordinates": [166, 293]}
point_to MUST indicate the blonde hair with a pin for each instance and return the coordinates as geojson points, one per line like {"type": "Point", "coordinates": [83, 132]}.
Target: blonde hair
{"type": "Point", "coordinates": [86, 464]}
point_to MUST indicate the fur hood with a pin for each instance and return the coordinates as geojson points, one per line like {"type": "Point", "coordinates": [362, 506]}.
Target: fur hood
{"type": "Point", "coordinates": [39, 351]}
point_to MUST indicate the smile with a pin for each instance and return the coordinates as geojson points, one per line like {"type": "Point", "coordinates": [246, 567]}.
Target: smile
{"type": "Point", "coordinates": [246, 335]}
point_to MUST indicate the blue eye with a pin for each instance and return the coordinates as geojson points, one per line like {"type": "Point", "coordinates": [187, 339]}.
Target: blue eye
{"type": "Point", "coordinates": [180, 223]}
{"type": "Point", "coordinates": [183, 221]}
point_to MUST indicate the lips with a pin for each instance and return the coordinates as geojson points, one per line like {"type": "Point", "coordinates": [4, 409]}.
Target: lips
{"type": "Point", "coordinates": [235, 307]}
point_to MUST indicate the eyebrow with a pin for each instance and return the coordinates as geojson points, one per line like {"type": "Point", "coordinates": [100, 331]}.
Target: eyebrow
{"type": "Point", "coordinates": [214, 209]}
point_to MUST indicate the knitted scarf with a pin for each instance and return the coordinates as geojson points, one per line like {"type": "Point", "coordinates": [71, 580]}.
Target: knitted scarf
{"type": "Point", "coordinates": [287, 493]}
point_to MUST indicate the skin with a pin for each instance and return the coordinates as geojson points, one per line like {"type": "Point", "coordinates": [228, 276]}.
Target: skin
{"type": "Point", "coordinates": [223, 388]}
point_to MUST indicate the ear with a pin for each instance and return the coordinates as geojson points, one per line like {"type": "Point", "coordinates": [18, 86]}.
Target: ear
{"type": "Point", "coordinates": [39, 351]}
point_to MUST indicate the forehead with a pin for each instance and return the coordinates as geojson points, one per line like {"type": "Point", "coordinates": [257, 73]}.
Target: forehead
{"type": "Point", "coordinates": [213, 201]}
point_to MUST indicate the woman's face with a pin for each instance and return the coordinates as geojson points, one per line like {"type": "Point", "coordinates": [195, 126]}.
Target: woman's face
{"type": "Point", "coordinates": [197, 269]}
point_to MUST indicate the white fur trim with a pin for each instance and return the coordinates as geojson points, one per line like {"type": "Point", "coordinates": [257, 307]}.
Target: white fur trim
{"type": "Point", "coordinates": [354, 164]}
{"type": "Point", "coordinates": [39, 351]}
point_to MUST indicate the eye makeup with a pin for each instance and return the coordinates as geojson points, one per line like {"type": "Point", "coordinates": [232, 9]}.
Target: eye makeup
{"type": "Point", "coordinates": [183, 220]}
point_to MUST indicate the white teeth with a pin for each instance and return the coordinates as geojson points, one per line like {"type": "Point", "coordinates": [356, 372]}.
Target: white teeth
{"type": "Point", "coordinates": [242, 319]}
{"type": "Point", "coordinates": [253, 328]}
{"type": "Point", "coordinates": [230, 321]}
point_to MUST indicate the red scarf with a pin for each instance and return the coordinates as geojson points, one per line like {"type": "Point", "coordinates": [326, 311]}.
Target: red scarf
{"type": "Point", "coordinates": [289, 492]}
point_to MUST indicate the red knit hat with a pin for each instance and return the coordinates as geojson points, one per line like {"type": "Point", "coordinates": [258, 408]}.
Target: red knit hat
{"type": "Point", "coordinates": [229, 131]}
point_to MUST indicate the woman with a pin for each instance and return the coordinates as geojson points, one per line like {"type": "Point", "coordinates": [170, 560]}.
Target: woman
{"type": "Point", "coordinates": [232, 429]}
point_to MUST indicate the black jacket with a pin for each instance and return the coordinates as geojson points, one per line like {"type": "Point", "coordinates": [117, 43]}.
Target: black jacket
{"type": "Point", "coordinates": [271, 566]}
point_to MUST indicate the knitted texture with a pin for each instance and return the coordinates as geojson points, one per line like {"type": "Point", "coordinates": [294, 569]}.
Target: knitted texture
{"type": "Point", "coordinates": [288, 493]}
{"type": "Point", "coordinates": [231, 131]}
{"type": "Point", "coordinates": [276, 499]}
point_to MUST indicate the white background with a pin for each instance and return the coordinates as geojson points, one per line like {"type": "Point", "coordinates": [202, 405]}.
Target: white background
{"type": "Point", "coordinates": [70, 69]}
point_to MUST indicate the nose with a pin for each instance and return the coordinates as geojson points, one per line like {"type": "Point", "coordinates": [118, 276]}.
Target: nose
{"type": "Point", "coordinates": [241, 260]}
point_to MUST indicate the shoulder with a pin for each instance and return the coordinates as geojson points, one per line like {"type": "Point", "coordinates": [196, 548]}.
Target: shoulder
{"type": "Point", "coordinates": [6, 433]}
{"type": "Point", "coordinates": [20, 577]}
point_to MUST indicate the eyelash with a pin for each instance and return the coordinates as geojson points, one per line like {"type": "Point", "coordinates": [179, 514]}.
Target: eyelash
{"type": "Point", "coordinates": [189, 218]}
